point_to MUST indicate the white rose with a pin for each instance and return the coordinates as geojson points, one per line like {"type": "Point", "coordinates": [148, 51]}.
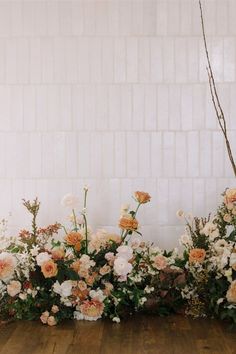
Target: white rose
{"type": "Point", "coordinates": [63, 289]}
{"type": "Point", "coordinates": [122, 267]}
{"type": "Point", "coordinates": [125, 252]}
{"type": "Point", "coordinates": [69, 201]}
{"type": "Point", "coordinates": [43, 257]}
{"type": "Point", "coordinates": [23, 296]}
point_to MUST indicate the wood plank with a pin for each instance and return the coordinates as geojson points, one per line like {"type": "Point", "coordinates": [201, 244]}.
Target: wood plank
{"type": "Point", "coordinates": [140, 334]}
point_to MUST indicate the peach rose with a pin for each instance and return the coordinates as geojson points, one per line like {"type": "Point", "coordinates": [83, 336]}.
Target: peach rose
{"type": "Point", "coordinates": [76, 266]}
{"type": "Point", "coordinates": [92, 310]}
{"type": "Point", "coordinates": [7, 265]}
{"type": "Point", "coordinates": [105, 269]}
{"type": "Point", "coordinates": [58, 253]}
{"type": "Point", "coordinates": [159, 262]}
{"type": "Point", "coordinates": [231, 293]}
{"type": "Point", "coordinates": [142, 197]}
{"type": "Point", "coordinates": [197, 255]}
{"type": "Point", "coordinates": [49, 269]}
{"type": "Point", "coordinates": [128, 223]}
{"type": "Point", "coordinates": [14, 288]}
{"type": "Point", "coordinates": [230, 196]}
{"type": "Point", "coordinates": [55, 309]}
{"type": "Point", "coordinates": [73, 238]}
{"type": "Point", "coordinates": [51, 321]}
{"type": "Point", "coordinates": [44, 317]}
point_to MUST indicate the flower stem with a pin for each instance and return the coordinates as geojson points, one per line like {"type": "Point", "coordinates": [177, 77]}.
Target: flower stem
{"type": "Point", "coordinates": [86, 233]}
{"type": "Point", "coordinates": [75, 222]}
{"type": "Point", "coordinates": [85, 220]}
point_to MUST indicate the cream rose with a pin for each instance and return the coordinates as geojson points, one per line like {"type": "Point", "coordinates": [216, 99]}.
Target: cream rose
{"type": "Point", "coordinates": [159, 262]}
{"type": "Point", "coordinates": [14, 288]}
{"type": "Point", "coordinates": [55, 309]}
{"type": "Point", "coordinates": [44, 317]}
{"type": "Point", "coordinates": [51, 321]}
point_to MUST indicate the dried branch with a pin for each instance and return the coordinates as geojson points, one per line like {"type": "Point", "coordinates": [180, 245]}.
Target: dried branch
{"type": "Point", "coordinates": [215, 98]}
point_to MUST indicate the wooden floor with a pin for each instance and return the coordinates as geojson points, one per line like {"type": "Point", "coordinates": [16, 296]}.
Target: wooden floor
{"type": "Point", "coordinates": [136, 335]}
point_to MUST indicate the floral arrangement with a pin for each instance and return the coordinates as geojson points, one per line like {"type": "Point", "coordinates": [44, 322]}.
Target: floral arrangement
{"type": "Point", "coordinates": [61, 272]}
{"type": "Point", "coordinates": [210, 262]}
{"type": "Point", "coordinates": [70, 272]}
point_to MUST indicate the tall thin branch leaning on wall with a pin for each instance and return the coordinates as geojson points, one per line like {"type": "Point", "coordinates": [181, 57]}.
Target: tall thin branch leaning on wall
{"type": "Point", "coordinates": [215, 98]}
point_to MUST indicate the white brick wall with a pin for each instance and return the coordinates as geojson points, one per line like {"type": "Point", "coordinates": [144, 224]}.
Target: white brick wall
{"type": "Point", "coordinates": [114, 93]}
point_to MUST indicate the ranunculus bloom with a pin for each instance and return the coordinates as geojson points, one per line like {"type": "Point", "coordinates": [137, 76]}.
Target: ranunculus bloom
{"type": "Point", "coordinates": [73, 238]}
{"type": "Point", "coordinates": [231, 293]}
{"type": "Point", "coordinates": [128, 223]}
{"type": "Point", "coordinates": [49, 269]}
{"type": "Point", "coordinates": [7, 265]}
{"type": "Point", "coordinates": [197, 255]}
{"type": "Point", "coordinates": [14, 288]}
{"type": "Point", "coordinates": [51, 321]}
{"type": "Point", "coordinates": [159, 262]}
{"type": "Point", "coordinates": [230, 196]}
{"type": "Point", "coordinates": [58, 253]}
{"type": "Point", "coordinates": [92, 310]}
{"type": "Point", "coordinates": [44, 317]}
{"type": "Point", "coordinates": [125, 252]}
{"type": "Point", "coordinates": [142, 197]}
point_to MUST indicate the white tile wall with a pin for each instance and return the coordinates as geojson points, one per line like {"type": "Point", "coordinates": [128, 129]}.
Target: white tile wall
{"type": "Point", "coordinates": [114, 93]}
